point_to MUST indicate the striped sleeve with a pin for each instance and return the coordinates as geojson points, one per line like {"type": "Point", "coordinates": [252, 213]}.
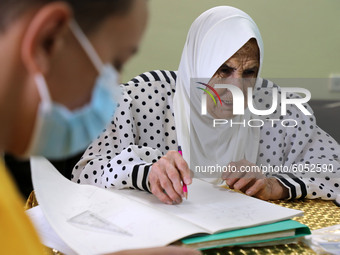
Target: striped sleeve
{"type": "Point", "coordinates": [140, 177]}
{"type": "Point", "coordinates": [296, 187]}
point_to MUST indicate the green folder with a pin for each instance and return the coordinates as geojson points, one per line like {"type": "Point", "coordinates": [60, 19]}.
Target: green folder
{"type": "Point", "coordinates": [271, 234]}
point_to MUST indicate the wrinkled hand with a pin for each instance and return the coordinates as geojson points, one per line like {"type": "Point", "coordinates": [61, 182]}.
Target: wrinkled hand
{"type": "Point", "coordinates": [166, 175]}
{"type": "Point", "coordinates": [254, 183]}
{"type": "Point", "coordinates": [171, 250]}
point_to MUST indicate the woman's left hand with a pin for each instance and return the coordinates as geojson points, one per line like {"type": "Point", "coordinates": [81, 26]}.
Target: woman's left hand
{"type": "Point", "coordinates": [254, 183]}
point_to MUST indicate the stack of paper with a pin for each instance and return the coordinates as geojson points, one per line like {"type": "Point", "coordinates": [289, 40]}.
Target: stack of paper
{"type": "Point", "coordinates": [91, 220]}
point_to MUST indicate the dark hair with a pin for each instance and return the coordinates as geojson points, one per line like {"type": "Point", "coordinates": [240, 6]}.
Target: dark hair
{"type": "Point", "coordinates": [88, 13]}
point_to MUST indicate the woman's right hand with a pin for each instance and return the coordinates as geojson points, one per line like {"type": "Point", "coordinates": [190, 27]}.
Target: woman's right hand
{"type": "Point", "coordinates": [166, 177]}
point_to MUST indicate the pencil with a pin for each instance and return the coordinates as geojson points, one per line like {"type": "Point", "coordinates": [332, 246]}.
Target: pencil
{"type": "Point", "coordinates": [185, 188]}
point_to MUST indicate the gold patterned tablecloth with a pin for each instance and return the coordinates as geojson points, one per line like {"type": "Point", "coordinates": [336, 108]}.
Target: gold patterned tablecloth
{"type": "Point", "coordinates": [317, 214]}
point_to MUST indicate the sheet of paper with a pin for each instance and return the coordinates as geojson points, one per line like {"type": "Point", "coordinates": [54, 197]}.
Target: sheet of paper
{"type": "Point", "coordinates": [62, 200]}
{"type": "Point", "coordinates": [216, 208]}
{"type": "Point", "coordinates": [47, 235]}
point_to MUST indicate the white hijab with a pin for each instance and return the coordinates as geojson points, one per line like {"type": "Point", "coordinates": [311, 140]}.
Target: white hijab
{"type": "Point", "coordinates": [214, 37]}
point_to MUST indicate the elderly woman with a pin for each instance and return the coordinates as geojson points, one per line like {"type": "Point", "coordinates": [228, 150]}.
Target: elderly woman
{"type": "Point", "coordinates": [139, 148]}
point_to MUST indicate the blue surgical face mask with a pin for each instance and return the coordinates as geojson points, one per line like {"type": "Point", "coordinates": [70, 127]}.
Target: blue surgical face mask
{"type": "Point", "coordinates": [59, 132]}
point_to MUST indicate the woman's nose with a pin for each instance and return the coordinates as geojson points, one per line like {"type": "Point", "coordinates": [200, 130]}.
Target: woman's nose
{"type": "Point", "coordinates": [236, 79]}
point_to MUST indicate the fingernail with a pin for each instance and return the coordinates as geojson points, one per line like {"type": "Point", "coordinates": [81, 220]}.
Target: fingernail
{"type": "Point", "coordinates": [187, 180]}
{"type": "Point", "coordinates": [169, 203]}
{"type": "Point", "coordinates": [249, 192]}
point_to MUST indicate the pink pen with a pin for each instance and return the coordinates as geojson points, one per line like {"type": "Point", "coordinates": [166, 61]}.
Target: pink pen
{"type": "Point", "coordinates": [185, 188]}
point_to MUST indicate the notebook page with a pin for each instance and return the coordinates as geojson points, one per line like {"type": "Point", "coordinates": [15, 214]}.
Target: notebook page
{"type": "Point", "coordinates": [101, 221]}
{"type": "Point", "coordinates": [47, 235]}
{"type": "Point", "coordinates": [218, 209]}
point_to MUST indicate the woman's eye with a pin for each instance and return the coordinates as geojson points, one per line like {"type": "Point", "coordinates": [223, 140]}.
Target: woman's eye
{"type": "Point", "coordinates": [225, 71]}
{"type": "Point", "coordinates": [249, 73]}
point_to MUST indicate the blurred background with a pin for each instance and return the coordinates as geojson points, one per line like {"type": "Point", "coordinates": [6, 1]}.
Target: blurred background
{"type": "Point", "coordinates": [301, 39]}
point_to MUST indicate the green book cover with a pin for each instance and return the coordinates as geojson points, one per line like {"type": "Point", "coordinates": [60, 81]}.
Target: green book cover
{"type": "Point", "coordinates": [283, 230]}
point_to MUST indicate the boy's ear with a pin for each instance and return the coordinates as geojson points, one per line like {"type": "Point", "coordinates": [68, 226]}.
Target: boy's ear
{"type": "Point", "coordinates": [45, 36]}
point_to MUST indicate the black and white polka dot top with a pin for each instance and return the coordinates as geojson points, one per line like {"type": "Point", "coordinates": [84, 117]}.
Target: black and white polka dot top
{"type": "Point", "coordinates": [143, 130]}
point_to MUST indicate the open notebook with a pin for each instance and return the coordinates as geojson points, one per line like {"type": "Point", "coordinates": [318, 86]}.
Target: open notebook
{"type": "Point", "coordinates": [91, 220]}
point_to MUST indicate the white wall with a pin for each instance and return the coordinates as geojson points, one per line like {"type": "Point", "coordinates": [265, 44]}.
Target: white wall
{"type": "Point", "coordinates": [301, 37]}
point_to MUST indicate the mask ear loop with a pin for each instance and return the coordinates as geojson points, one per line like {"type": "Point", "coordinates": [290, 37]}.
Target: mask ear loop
{"type": "Point", "coordinates": [86, 45]}
{"type": "Point", "coordinates": [46, 100]}
{"type": "Point", "coordinates": [45, 107]}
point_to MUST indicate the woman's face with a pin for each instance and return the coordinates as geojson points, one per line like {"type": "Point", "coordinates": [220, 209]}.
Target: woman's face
{"type": "Point", "coordinates": [240, 70]}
